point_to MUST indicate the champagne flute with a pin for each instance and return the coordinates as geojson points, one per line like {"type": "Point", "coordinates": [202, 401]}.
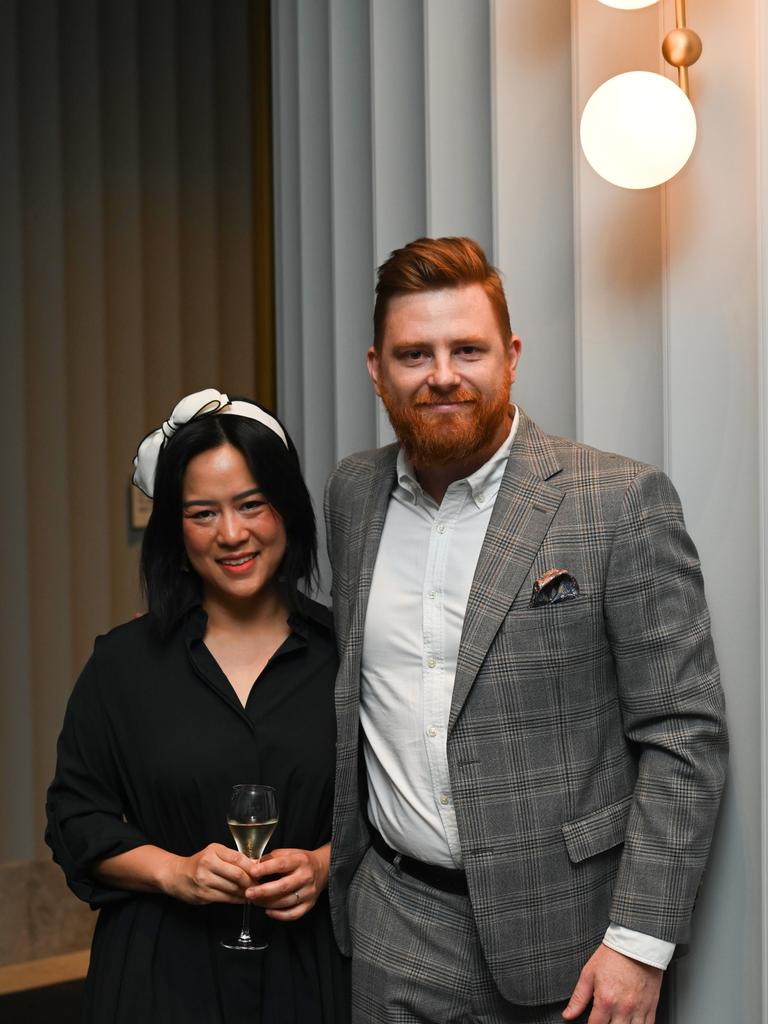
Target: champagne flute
{"type": "Point", "coordinates": [252, 817]}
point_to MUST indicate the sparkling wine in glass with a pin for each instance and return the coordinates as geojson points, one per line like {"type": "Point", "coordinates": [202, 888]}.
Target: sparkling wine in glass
{"type": "Point", "coordinates": [252, 817]}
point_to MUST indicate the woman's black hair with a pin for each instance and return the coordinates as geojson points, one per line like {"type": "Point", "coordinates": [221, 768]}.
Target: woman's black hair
{"type": "Point", "coordinates": [169, 585]}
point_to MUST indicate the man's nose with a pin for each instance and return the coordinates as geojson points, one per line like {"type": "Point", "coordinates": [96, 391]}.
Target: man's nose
{"type": "Point", "coordinates": [444, 376]}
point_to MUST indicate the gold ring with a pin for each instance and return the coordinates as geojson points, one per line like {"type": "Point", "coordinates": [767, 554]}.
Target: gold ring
{"type": "Point", "coordinates": [298, 898]}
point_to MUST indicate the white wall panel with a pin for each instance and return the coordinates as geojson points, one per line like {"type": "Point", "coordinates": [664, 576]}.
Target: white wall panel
{"type": "Point", "coordinates": [667, 299]}
{"type": "Point", "coordinates": [289, 310]}
{"type": "Point", "coordinates": [713, 448]}
{"type": "Point", "coordinates": [762, 282]}
{"type": "Point", "coordinates": [399, 154]}
{"type": "Point", "coordinates": [458, 119]}
{"type": "Point", "coordinates": [618, 246]}
{"type": "Point", "coordinates": [398, 113]}
{"type": "Point", "coordinates": [324, 234]}
{"type": "Point", "coordinates": [353, 244]}
{"type": "Point", "coordinates": [533, 192]}
{"type": "Point", "coordinates": [382, 132]}
{"type": "Point", "coordinates": [315, 283]}
{"type": "Point", "coordinates": [639, 311]}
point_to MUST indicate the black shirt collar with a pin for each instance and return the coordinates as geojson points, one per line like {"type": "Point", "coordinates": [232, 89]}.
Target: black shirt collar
{"type": "Point", "coordinates": [300, 621]}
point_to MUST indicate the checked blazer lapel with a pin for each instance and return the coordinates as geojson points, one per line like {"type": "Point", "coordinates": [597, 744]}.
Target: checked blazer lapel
{"type": "Point", "coordinates": [524, 508]}
{"type": "Point", "coordinates": [373, 514]}
{"type": "Point", "coordinates": [355, 542]}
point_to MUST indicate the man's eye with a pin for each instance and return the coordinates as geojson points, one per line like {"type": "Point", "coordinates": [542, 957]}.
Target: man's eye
{"type": "Point", "coordinates": [469, 350]}
{"type": "Point", "coordinates": [413, 355]}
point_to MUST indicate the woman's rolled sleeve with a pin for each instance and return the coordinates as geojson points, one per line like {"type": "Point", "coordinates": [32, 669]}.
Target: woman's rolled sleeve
{"type": "Point", "coordinates": [86, 805]}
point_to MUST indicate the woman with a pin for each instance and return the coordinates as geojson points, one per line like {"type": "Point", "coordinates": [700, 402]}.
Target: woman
{"type": "Point", "coordinates": [228, 679]}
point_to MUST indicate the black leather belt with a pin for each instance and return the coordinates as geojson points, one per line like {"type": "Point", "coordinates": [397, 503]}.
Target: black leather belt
{"type": "Point", "coordinates": [446, 879]}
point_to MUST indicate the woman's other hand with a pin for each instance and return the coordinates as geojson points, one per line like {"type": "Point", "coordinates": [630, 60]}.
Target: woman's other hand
{"type": "Point", "coordinates": [216, 874]}
{"type": "Point", "coordinates": [303, 875]}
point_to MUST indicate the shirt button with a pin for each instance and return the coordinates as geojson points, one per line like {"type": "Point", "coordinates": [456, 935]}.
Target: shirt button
{"type": "Point", "coordinates": [481, 498]}
{"type": "Point", "coordinates": [441, 527]}
{"type": "Point", "coordinates": [431, 595]}
{"type": "Point", "coordinates": [431, 731]}
{"type": "Point", "coordinates": [444, 799]}
{"type": "Point", "coordinates": [431, 662]}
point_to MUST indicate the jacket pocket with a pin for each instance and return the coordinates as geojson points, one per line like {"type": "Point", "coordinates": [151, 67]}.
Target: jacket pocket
{"type": "Point", "coordinates": [550, 618]}
{"type": "Point", "coordinates": [597, 831]}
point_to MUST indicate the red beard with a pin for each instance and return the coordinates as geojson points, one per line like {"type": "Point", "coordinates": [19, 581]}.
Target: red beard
{"type": "Point", "coordinates": [441, 438]}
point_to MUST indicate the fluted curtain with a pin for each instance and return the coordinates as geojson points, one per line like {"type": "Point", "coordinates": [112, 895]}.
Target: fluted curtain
{"type": "Point", "coordinates": [135, 266]}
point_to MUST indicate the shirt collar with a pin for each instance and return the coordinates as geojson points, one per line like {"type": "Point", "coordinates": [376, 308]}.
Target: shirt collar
{"type": "Point", "coordinates": [483, 483]}
{"type": "Point", "coordinates": [299, 619]}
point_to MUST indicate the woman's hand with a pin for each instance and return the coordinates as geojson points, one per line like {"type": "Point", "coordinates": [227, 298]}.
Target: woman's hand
{"type": "Point", "coordinates": [216, 874]}
{"type": "Point", "coordinates": [303, 876]}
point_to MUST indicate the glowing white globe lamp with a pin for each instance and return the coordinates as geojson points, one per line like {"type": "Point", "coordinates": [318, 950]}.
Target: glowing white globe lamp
{"type": "Point", "coordinates": [628, 5]}
{"type": "Point", "coordinates": [638, 129]}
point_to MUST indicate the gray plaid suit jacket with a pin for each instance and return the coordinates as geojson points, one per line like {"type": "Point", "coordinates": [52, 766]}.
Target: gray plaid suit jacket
{"type": "Point", "coordinates": [587, 743]}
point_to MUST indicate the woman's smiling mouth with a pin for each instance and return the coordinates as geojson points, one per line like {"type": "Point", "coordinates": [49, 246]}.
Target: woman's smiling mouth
{"type": "Point", "coordinates": [240, 563]}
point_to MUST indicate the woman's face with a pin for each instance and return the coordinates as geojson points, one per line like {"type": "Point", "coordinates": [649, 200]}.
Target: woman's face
{"type": "Point", "coordinates": [235, 540]}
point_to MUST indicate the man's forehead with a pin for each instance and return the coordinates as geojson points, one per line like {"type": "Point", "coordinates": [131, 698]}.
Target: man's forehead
{"type": "Point", "coordinates": [466, 309]}
{"type": "Point", "coordinates": [444, 293]}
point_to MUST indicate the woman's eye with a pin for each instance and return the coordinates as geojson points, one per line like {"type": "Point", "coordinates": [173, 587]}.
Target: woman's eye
{"type": "Point", "coordinates": [252, 506]}
{"type": "Point", "coordinates": [202, 514]}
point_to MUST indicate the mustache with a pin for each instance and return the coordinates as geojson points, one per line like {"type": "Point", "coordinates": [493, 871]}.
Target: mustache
{"type": "Point", "coordinates": [461, 395]}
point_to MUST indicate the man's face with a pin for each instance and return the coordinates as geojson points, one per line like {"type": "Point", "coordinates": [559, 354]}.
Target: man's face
{"type": "Point", "coordinates": [444, 374]}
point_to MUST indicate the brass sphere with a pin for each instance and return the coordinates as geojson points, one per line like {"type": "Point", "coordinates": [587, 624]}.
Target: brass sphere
{"type": "Point", "coordinates": [681, 47]}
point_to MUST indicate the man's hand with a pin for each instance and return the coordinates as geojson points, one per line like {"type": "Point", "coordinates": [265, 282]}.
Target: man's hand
{"type": "Point", "coordinates": [622, 990]}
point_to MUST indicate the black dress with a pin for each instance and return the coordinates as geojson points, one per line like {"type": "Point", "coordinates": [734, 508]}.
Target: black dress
{"type": "Point", "coordinates": [153, 740]}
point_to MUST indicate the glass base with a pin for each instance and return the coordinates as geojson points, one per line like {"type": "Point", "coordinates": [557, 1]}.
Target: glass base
{"type": "Point", "coordinates": [249, 947]}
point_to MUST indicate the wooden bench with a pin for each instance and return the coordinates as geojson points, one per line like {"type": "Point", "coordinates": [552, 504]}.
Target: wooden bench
{"type": "Point", "coordinates": [50, 970]}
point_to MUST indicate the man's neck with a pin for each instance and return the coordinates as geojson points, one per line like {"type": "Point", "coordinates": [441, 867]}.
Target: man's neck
{"type": "Point", "coordinates": [436, 479]}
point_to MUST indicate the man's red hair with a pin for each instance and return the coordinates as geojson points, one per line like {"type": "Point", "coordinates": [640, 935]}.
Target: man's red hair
{"type": "Point", "coordinates": [429, 264]}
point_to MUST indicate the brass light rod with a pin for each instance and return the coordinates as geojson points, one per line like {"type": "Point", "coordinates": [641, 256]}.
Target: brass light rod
{"type": "Point", "coordinates": [681, 47]}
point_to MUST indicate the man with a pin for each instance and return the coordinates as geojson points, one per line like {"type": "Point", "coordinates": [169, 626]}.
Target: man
{"type": "Point", "coordinates": [522, 821]}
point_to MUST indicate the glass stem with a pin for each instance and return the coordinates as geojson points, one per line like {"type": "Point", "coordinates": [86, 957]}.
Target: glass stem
{"type": "Point", "coordinates": [245, 931]}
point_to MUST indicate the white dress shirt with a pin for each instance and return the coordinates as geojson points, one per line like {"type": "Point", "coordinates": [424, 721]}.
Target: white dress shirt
{"type": "Point", "coordinates": [421, 581]}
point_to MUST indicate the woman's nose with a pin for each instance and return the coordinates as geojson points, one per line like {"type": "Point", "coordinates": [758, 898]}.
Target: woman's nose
{"type": "Point", "coordinates": [231, 528]}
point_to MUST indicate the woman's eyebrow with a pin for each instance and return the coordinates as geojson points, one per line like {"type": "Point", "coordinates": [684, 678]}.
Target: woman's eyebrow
{"type": "Point", "coordinates": [235, 497]}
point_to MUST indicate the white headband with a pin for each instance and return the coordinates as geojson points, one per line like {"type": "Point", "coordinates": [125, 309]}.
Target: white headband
{"type": "Point", "coordinates": [201, 403]}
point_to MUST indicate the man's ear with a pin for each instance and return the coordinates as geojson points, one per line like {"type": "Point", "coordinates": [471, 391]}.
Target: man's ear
{"type": "Point", "coordinates": [515, 348]}
{"type": "Point", "coordinates": [374, 368]}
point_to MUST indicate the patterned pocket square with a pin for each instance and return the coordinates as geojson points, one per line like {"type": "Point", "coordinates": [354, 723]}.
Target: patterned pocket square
{"type": "Point", "coordinates": [554, 586]}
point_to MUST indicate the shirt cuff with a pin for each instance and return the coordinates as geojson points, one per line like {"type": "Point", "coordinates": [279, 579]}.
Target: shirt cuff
{"type": "Point", "coordinates": [639, 946]}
